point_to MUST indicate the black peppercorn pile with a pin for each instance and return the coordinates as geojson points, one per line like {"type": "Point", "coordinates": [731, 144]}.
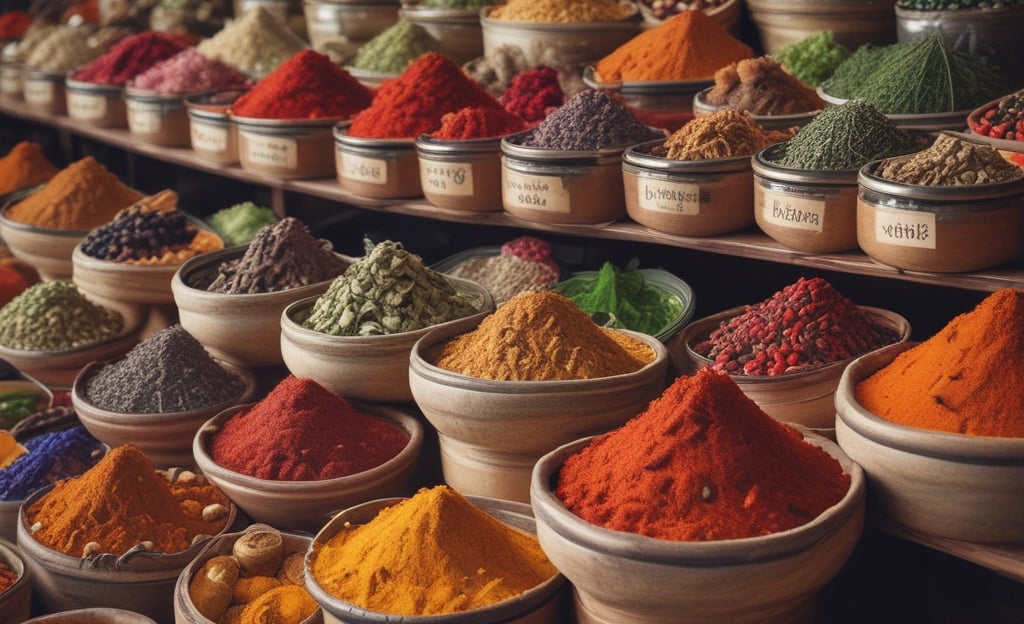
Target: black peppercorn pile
{"type": "Point", "coordinates": [136, 234]}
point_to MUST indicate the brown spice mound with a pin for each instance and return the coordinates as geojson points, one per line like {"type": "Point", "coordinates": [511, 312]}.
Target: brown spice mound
{"type": "Point", "coordinates": [726, 133]}
{"type": "Point", "coordinates": [762, 87]}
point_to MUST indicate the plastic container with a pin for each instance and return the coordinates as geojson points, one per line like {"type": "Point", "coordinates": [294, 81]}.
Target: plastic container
{"type": "Point", "coordinates": [96, 104]}
{"type": "Point", "coordinates": [563, 187]}
{"type": "Point", "coordinates": [44, 90]}
{"type": "Point", "coordinates": [212, 134]}
{"type": "Point", "coordinates": [543, 604]}
{"type": "Point", "coordinates": [493, 432]}
{"type": "Point", "coordinates": [806, 210]}
{"type": "Point", "coordinates": [166, 438]}
{"type": "Point", "coordinates": [457, 31]}
{"type": "Point", "coordinates": [569, 44]}
{"type": "Point", "coordinates": [804, 397]}
{"type": "Point", "coordinates": [621, 578]}
{"type": "Point", "coordinates": [308, 505]}
{"type": "Point", "coordinates": [944, 485]}
{"type": "Point", "coordinates": [185, 611]}
{"type": "Point", "coordinates": [371, 368]}
{"type": "Point", "coordinates": [378, 168]}
{"type": "Point", "coordinates": [357, 22]}
{"type": "Point", "coordinates": [852, 22]}
{"type": "Point", "coordinates": [138, 581]}
{"type": "Point", "coordinates": [157, 118]}
{"type": "Point", "coordinates": [243, 329]}
{"type": "Point", "coordinates": [290, 149]}
{"type": "Point", "coordinates": [463, 175]}
{"type": "Point", "coordinates": [687, 197]}
{"type": "Point", "coordinates": [16, 600]}
{"type": "Point", "coordinates": [939, 229]}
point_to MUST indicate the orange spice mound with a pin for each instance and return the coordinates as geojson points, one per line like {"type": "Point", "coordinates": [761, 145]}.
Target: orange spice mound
{"type": "Point", "coordinates": [25, 165]}
{"type": "Point", "coordinates": [689, 46]}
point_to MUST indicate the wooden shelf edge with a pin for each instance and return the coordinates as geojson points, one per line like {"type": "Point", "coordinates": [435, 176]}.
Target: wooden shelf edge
{"type": "Point", "coordinates": [747, 244]}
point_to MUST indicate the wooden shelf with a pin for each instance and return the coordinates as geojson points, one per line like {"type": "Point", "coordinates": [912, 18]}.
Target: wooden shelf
{"type": "Point", "coordinates": [747, 244]}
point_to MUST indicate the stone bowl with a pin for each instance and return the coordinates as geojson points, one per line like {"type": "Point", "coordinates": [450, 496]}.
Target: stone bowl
{"type": "Point", "coordinates": [492, 432]}
{"type": "Point", "coordinates": [621, 578]}
{"type": "Point", "coordinates": [945, 485]}
{"type": "Point", "coordinates": [371, 368]}
{"type": "Point", "coordinates": [308, 505]}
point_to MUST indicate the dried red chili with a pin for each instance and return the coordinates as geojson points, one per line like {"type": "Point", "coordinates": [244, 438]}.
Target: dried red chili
{"type": "Point", "coordinates": [532, 93]}
{"type": "Point", "coordinates": [131, 56]}
{"type": "Point", "coordinates": [1002, 120]}
{"type": "Point", "coordinates": [414, 103]}
{"type": "Point", "coordinates": [806, 324]}
{"type": "Point", "coordinates": [476, 122]}
{"type": "Point", "coordinates": [308, 85]}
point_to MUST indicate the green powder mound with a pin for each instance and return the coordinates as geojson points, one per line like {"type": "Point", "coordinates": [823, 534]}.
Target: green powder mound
{"type": "Point", "coordinates": [239, 223]}
{"type": "Point", "coordinates": [814, 58]}
{"type": "Point", "coordinates": [391, 51]}
{"type": "Point", "coordinates": [917, 77]}
{"type": "Point", "coordinates": [623, 299]}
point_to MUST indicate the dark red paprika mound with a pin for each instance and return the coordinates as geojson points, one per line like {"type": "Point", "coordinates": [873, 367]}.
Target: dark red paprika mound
{"type": "Point", "coordinates": [130, 57]}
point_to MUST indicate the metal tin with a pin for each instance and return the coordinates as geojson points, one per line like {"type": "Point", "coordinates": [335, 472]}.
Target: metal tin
{"type": "Point", "coordinates": [351, 21]}
{"type": "Point", "coordinates": [462, 174]}
{"type": "Point", "coordinates": [286, 148]}
{"type": "Point", "coordinates": [11, 79]}
{"type": "Point", "coordinates": [687, 197]}
{"type": "Point", "coordinates": [457, 31]}
{"type": "Point", "coordinates": [157, 118]}
{"type": "Point", "coordinates": [770, 122]}
{"type": "Point", "coordinates": [212, 134]}
{"type": "Point", "coordinates": [96, 104]}
{"type": "Point", "coordinates": [384, 168]}
{"type": "Point", "coordinates": [44, 90]}
{"type": "Point", "coordinates": [923, 122]}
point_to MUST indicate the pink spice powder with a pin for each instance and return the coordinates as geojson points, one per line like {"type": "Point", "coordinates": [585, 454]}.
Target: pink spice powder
{"type": "Point", "coordinates": [190, 72]}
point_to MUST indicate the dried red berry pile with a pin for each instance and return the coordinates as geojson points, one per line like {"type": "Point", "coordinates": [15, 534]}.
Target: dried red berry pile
{"type": "Point", "coordinates": [1003, 120]}
{"type": "Point", "coordinates": [804, 325]}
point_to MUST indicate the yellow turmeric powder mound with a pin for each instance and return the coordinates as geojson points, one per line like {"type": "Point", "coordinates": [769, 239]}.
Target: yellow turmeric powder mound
{"type": "Point", "coordinates": [688, 46]}
{"type": "Point", "coordinates": [432, 554]}
{"type": "Point", "coordinates": [287, 604]}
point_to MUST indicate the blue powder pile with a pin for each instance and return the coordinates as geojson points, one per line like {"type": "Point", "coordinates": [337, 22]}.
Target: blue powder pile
{"type": "Point", "coordinates": [50, 457]}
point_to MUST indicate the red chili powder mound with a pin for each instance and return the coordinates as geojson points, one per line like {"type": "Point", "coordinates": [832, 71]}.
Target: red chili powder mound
{"type": "Point", "coordinates": [131, 56]}
{"type": "Point", "coordinates": [303, 432]}
{"type": "Point", "coordinates": [306, 86]}
{"type": "Point", "coordinates": [476, 122]}
{"type": "Point", "coordinates": [13, 24]}
{"type": "Point", "coordinates": [702, 463]}
{"type": "Point", "coordinates": [532, 93]}
{"type": "Point", "coordinates": [414, 103]}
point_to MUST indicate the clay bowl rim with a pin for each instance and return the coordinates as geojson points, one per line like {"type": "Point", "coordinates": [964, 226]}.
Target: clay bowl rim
{"type": "Point", "coordinates": [717, 553]}
{"type": "Point", "coordinates": [914, 440]}
{"type": "Point", "coordinates": [394, 414]}
{"type": "Point", "coordinates": [127, 333]}
{"type": "Point", "coordinates": [690, 335]}
{"type": "Point", "coordinates": [91, 411]}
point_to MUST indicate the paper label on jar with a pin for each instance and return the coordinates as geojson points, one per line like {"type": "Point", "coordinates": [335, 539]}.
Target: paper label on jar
{"type": "Point", "coordinates": [38, 91]}
{"type": "Point", "coordinates": [670, 197]}
{"type": "Point", "coordinates": [799, 213]}
{"type": "Point", "coordinates": [534, 192]}
{"type": "Point", "coordinates": [86, 106]}
{"type": "Point", "coordinates": [271, 151]}
{"type": "Point", "coordinates": [907, 228]}
{"type": "Point", "coordinates": [362, 168]}
{"type": "Point", "coordinates": [447, 178]}
{"type": "Point", "coordinates": [144, 120]}
{"type": "Point", "coordinates": [10, 80]}
{"type": "Point", "coordinates": [209, 138]}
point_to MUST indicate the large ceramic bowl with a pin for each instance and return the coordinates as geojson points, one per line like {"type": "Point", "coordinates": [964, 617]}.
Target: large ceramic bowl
{"type": "Point", "coordinates": [243, 329]}
{"type": "Point", "coordinates": [621, 578]}
{"type": "Point", "coordinates": [166, 438]}
{"type": "Point", "coordinates": [802, 397]}
{"type": "Point", "coordinates": [492, 432]}
{"type": "Point", "coordinates": [93, 615]}
{"type": "Point", "coordinates": [945, 485]}
{"type": "Point", "coordinates": [16, 600]}
{"type": "Point", "coordinates": [308, 505]}
{"type": "Point", "coordinates": [372, 368]}
{"type": "Point", "coordinates": [47, 250]}
{"type": "Point", "coordinates": [543, 604]}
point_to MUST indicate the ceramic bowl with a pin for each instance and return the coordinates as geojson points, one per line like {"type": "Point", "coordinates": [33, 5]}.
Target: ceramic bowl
{"type": "Point", "coordinates": [940, 229]}
{"type": "Point", "coordinates": [805, 397]}
{"type": "Point", "coordinates": [46, 250]}
{"type": "Point", "coordinates": [96, 104]}
{"type": "Point", "coordinates": [570, 44]}
{"type": "Point", "coordinates": [371, 368]}
{"type": "Point", "coordinates": [16, 600]}
{"type": "Point", "coordinates": [308, 505]}
{"type": "Point", "coordinates": [701, 107]}
{"type": "Point", "coordinates": [22, 385]}
{"type": "Point", "coordinates": [97, 615]}
{"type": "Point", "coordinates": [458, 31]}
{"type": "Point", "coordinates": [853, 22]}
{"type": "Point", "coordinates": [58, 369]}
{"type": "Point", "coordinates": [920, 122]}
{"type": "Point", "coordinates": [492, 432]}
{"type": "Point", "coordinates": [289, 149]}
{"type": "Point", "coordinates": [185, 611]}
{"type": "Point", "coordinates": [974, 121]}
{"type": "Point", "coordinates": [243, 329]}
{"type": "Point", "coordinates": [621, 578]}
{"type": "Point", "coordinates": [356, 22]}
{"type": "Point", "coordinates": [944, 485]}
{"type": "Point", "coordinates": [543, 604]}
{"type": "Point", "coordinates": [138, 581]}
{"type": "Point", "coordinates": [687, 197]}
{"type": "Point", "coordinates": [166, 438]}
